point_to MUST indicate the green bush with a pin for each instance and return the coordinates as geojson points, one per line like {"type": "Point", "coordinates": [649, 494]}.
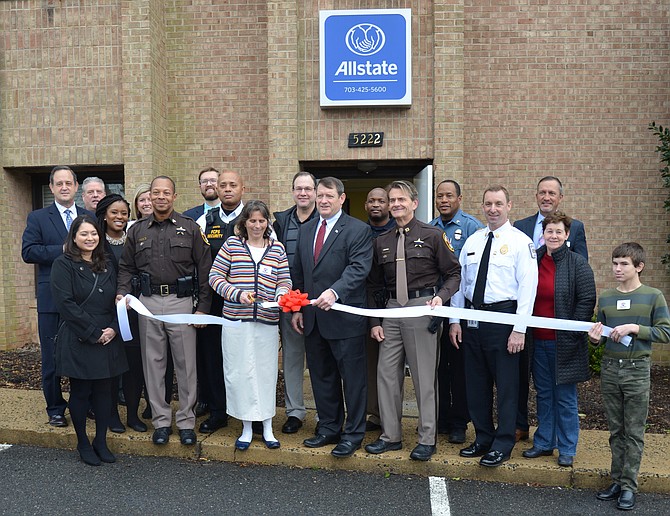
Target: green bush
{"type": "Point", "coordinates": [663, 150]}
{"type": "Point", "coordinates": [595, 354]}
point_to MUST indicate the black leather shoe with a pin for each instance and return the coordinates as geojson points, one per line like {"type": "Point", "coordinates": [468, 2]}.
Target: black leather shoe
{"type": "Point", "coordinates": [58, 421]}
{"type": "Point", "coordinates": [292, 425]}
{"type": "Point", "coordinates": [493, 459]}
{"type": "Point", "coordinates": [257, 427]}
{"type": "Point", "coordinates": [565, 461]}
{"type": "Point", "coordinates": [138, 426]}
{"type": "Point", "coordinates": [371, 426]}
{"type": "Point", "coordinates": [90, 414]}
{"type": "Point", "coordinates": [381, 446]}
{"type": "Point", "coordinates": [457, 436]}
{"type": "Point", "coordinates": [201, 408]}
{"type": "Point", "coordinates": [321, 440]}
{"type": "Point", "coordinates": [117, 427]}
{"type": "Point", "coordinates": [271, 445]}
{"type": "Point", "coordinates": [534, 453]}
{"type": "Point", "coordinates": [88, 456]}
{"type": "Point", "coordinates": [422, 452]}
{"type": "Point", "coordinates": [161, 435]}
{"type": "Point", "coordinates": [626, 500]}
{"type": "Point", "coordinates": [345, 449]}
{"type": "Point", "coordinates": [212, 424]}
{"type": "Point", "coordinates": [104, 454]}
{"type": "Point", "coordinates": [122, 398]}
{"type": "Point", "coordinates": [611, 493]}
{"type": "Point", "coordinates": [187, 437]}
{"type": "Point", "coordinates": [474, 450]}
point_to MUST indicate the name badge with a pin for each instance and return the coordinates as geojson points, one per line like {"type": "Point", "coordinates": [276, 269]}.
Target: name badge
{"type": "Point", "coordinates": [623, 304]}
{"type": "Point", "coordinates": [264, 269]}
{"type": "Point", "coordinates": [473, 325]}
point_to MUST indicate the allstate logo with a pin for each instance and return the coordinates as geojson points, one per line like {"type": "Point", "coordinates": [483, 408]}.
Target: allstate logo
{"type": "Point", "coordinates": [365, 39]}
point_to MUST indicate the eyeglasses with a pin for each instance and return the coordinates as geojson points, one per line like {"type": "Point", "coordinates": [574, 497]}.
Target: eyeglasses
{"type": "Point", "coordinates": [306, 189]}
{"type": "Point", "coordinates": [208, 182]}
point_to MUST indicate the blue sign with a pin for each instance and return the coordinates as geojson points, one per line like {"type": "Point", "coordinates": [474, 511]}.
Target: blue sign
{"type": "Point", "coordinates": [366, 57]}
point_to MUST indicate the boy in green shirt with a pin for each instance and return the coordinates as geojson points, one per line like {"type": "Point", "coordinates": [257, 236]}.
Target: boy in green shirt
{"type": "Point", "coordinates": [639, 311]}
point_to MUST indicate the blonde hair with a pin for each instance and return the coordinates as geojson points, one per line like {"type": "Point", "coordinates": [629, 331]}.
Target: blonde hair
{"type": "Point", "coordinates": [141, 189]}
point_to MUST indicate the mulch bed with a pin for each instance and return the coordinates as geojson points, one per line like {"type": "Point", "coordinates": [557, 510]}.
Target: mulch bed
{"type": "Point", "coordinates": [20, 369]}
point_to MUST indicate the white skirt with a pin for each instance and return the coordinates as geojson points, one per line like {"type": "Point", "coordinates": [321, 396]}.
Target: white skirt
{"type": "Point", "coordinates": [250, 370]}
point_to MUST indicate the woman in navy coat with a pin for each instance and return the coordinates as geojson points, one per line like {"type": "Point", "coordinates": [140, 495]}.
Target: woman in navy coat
{"type": "Point", "coordinates": [88, 348]}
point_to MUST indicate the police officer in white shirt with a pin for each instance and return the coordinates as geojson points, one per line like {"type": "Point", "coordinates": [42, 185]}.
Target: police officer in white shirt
{"type": "Point", "coordinates": [507, 283]}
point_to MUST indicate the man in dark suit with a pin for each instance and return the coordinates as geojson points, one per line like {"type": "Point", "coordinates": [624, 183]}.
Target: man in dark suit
{"type": "Point", "coordinates": [332, 262]}
{"type": "Point", "coordinates": [207, 181]}
{"type": "Point", "coordinates": [42, 243]}
{"type": "Point", "coordinates": [549, 195]}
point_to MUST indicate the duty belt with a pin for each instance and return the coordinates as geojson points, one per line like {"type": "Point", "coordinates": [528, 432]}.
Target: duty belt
{"type": "Point", "coordinates": [163, 290]}
{"type": "Point", "coordinates": [413, 294]}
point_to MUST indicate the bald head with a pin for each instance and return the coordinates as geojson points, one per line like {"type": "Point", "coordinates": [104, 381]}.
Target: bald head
{"type": "Point", "coordinates": [230, 188]}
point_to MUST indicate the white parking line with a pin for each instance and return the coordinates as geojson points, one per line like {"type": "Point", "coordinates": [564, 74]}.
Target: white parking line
{"type": "Point", "coordinates": [439, 499]}
{"type": "Point", "coordinates": [4, 447]}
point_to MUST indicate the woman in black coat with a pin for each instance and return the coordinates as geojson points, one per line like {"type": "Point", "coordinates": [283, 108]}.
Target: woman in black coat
{"type": "Point", "coordinates": [88, 349]}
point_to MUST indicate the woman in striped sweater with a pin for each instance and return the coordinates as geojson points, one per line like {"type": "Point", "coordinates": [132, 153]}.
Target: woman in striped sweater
{"type": "Point", "coordinates": [251, 268]}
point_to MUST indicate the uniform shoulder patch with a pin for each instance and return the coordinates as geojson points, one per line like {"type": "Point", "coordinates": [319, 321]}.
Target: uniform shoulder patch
{"type": "Point", "coordinates": [533, 254]}
{"type": "Point", "coordinates": [204, 237]}
{"type": "Point", "coordinates": [446, 241]}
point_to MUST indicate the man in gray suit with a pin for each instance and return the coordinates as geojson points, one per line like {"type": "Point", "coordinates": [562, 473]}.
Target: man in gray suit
{"type": "Point", "coordinates": [332, 261]}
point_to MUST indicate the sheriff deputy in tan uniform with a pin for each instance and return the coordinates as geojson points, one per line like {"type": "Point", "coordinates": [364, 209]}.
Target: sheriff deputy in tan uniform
{"type": "Point", "coordinates": [418, 267]}
{"type": "Point", "coordinates": [168, 251]}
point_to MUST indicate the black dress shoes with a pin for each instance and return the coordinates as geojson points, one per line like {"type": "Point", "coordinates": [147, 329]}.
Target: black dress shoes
{"type": "Point", "coordinates": [380, 446]}
{"type": "Point", "coordinates": [187, 437]}
{"type": "Point", "coordinates": [457, 436]}
{"type": "Point", "coordinates": [88, 456]}
{"type": "Point", "coordinates": [104, 454]}
{"type": "Point", "coordinates": [58, 421]}
{"type": "Point", "coordinates": [201, 408]}
{"type": "Point", "coordinates": [493, 459]}
{"type": "Point", "coordinates": [321, 440]}
{"type": "Point", "coordinates": [161, 435]}
{"type": "Point", "coordinates": [117, 427]}
{"type": "Point", "coordinates": [371, 426]}
{"type": "Point", "coordinates": [534, 453]}
{"type": "Point", "coordinates": [423, 452]}
{"type": "Point", "coordinates": [212, 424]}
{"type": "Point", "coordinates": [611, 493]}
{"type": "Point", "coordinates": [138, 426]}
{"type": "Point", "coordinates": [345, 449]}
{"type": "Point", "coordinates": [292, 425]}
{"type": "Point", "coordinates": [565, 461]}
{"type": "Point", "coordinates": [474, 450]}
{"type": "Point", "coordinates": [626, 500]}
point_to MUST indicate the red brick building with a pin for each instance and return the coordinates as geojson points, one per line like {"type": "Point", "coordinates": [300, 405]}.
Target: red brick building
{"type": "Point", "coordinates": [503, 92]}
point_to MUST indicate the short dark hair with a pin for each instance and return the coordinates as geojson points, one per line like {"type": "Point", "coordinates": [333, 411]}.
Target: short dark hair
{"type": "Point", "coordinates": [631, 250]}
{"type": "Point", "coordinates": [332, 183]}
{"type": "Point", "coordinates": [305, 174]}
{"type": "Point", "coordinates": [71, 250]}
{"type": "Point", "coordinates": [101, 209]}
{"type": "Point", "coordinates": [496, 188]}
{"type": "Point", "coordinates": [551, 178]}
{"type": "Point", "coordinates": [245, 215]}
{"type": "Point", "coordinates": [174, 187]}
{"type": "Point", "coordinates": [61, 167]}
{"type": "Point", "coordinates": [208, 169]}
{"type": "Point", "coordinates": [557, 218]}
{"type": "Point", "coordinates": [457, 187]}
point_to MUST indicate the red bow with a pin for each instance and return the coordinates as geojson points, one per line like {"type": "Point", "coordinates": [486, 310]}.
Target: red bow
{"type": "Point", "coordinates": [293, 301]}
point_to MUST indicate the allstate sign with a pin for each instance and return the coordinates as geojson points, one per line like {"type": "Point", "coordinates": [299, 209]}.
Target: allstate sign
{"type": "Point", "coordinates": [366, 57]}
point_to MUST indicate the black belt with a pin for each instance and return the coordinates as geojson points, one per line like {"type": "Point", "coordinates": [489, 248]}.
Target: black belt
{"type": "Point", "coordinates": [413, 294]}
{"type": "Point", "coordinates": [495, 307]}
{"type": "Point", "coordinates": [163, 290]}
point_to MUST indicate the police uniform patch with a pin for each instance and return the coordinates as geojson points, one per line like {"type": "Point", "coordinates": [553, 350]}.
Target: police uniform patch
{"type": "Point", "coordinates": [504, 249]}
{"type": "Point", "coordinates": [204, 238]}
{"type": "Point", "coordinates": [533, 254]}
{"type": "Point", "coordinates": [448, 244]}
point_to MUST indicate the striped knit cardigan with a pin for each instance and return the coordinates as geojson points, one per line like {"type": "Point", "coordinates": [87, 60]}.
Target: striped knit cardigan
{"type": "Point", "coordinates": [234, 271]}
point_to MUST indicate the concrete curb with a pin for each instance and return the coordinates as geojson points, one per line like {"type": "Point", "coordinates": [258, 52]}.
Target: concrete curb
{"type": "Point", "coordinates": [23, 421]}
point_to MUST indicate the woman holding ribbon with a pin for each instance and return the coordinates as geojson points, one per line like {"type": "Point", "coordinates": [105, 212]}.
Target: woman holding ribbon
{"type": "Point", "coordinates": [251, 268]}
{"type": "Point", "coordinates": [112, 213]}
{"type": "Point", "coordinates": [88, 351]}
{"type": "Point", "coordinates": [559, 359]}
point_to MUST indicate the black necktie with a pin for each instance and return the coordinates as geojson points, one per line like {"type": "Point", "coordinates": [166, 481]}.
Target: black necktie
{"type": "Point", "coordinates": [480, 284]}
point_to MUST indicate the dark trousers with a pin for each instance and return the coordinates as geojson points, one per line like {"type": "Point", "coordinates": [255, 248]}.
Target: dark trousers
{"type": "Point", "coordinates": [210, 370]}
{"type": "Point", "coordinates": [453, 407]}
{"type": "Point", "coordinates": [84, 393]}
{"type": "Point", "coordinates": [522, 409]}
{"type": "Point", "coordinates": [47, 324]}
{"type": "Point", "coordinates": [133, 382]}
{"type": "Point", "coordinates": [488, 363]}
{"type": "Point", "coordinates": [338, 371]}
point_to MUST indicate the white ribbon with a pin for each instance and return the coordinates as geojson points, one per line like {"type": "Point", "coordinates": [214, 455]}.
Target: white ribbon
{"type": "Point", "coordinates": [138, 306]}
{"type": "Point", "coordinates": [472, 315]}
